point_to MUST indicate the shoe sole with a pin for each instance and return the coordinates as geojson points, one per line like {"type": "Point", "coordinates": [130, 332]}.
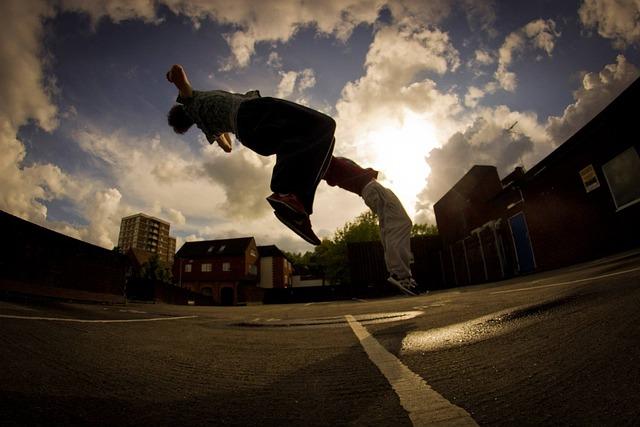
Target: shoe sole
{"type": "Point", "coordinates": [314, 240]}
{"type": "Point", "coordinates": [402, 288]}
{"type": "Point", "coordinates": [277, 206]}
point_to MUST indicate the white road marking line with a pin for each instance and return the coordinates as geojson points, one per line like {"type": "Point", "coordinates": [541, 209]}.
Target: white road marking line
{"type": "Point", "coordinates": [425, 406]}
{"type": "Point", "coordinates": [552, 285]}
{"type": "Point", "coordinates": [62, 319]}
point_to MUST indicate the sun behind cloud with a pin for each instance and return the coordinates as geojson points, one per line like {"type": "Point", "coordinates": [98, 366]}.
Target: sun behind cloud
{"type": "Point", "coordinates": [399, 151]}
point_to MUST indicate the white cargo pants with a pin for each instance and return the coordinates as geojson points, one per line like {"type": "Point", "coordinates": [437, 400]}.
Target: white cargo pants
{"type": "Point", "coordinates": [395, 228]}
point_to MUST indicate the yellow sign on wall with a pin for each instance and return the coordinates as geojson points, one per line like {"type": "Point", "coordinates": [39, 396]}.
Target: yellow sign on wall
{"type": "Point", "coordinates": [589, 178]}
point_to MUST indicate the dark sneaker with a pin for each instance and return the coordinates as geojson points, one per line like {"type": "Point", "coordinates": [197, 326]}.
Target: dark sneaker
{"type": "Point", "coordinates": [287, 201]}
{"type": "Point", "coordinates": [406, 285]}
{"type": "Point", "coordinates": [298, 224]}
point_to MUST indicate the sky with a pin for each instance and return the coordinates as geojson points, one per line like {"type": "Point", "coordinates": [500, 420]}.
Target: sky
{"type": "Point", "coordinates": [420, 90]}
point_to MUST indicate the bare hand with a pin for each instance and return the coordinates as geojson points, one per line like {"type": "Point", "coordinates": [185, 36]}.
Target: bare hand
{"type": "Point", "coordinates": [178, 77]}
{"type": "Point", "coordinates": [224, 142]}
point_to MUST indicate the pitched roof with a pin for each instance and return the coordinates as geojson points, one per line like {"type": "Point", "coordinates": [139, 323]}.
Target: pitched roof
{"type": "Point", "coordinates": [215, 248]}
{"type": "Point", "coordinates": [619, 115]}
{"type": "Point", "coordinates": [272, 251]}
{"type": "Point", "coordinates": [269, 250]}
{"type": "Point", "coordinates": [139, 256]}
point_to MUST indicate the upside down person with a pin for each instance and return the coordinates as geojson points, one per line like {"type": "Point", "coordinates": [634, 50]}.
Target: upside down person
{"type": "Point", "coordinates": [302, 140]}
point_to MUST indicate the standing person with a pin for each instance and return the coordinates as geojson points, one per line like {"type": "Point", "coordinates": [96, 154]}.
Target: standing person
{"type": "Point", "coordinates": [302, 140]}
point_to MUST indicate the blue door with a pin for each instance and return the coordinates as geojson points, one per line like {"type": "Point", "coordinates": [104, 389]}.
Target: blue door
{"type": "Point", "coordinates": [522, 243]}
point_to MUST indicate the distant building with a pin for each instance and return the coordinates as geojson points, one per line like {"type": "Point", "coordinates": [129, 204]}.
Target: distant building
{"type": "Point", "coordinates": [581, 202]}
{"type": "Point", "coordinates": [276, 271]}
{"type": "Point", "coordinates": [226, 270]}
{"type": "Point", "coordinates": [144, 232]}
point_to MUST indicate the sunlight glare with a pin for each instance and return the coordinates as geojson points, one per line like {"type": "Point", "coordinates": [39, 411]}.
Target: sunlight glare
{"type": "Point", "coordinates": [400, 150]}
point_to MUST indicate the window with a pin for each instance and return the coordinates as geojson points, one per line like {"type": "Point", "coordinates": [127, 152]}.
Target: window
{"type": "Point", "coordinates": [623, 176]}
{"type": "Point", "coordinates": [226, 266]}
{"type": "Point", "coordinates": [205, 268]}
{"type": "Point", "coordinates": [187, 268]}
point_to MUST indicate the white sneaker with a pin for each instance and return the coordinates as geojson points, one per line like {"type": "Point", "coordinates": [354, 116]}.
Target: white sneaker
{"type": "Point", "coordinates": [406, 285]}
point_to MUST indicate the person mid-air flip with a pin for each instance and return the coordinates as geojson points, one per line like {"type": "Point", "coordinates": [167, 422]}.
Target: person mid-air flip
{"type": "Point", "coordinates": [302, 140]}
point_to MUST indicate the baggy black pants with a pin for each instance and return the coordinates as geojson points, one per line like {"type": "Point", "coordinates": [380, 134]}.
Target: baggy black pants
{"type": "Point", "coordinates": [301, 138]}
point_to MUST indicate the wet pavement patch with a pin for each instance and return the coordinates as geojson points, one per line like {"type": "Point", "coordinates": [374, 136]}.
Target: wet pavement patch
{"type": "Point", "coordinates": [482, 328]}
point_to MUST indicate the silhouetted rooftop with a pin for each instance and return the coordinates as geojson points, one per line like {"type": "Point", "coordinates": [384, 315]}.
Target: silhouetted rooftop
{"type": "Point", "coordinates": [214, 248]}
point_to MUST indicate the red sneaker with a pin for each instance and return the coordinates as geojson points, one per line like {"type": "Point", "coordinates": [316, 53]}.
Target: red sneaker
{"type": "Point", "coordinates": [287, 201]}
{"type": "Point", "coordinates": [298, 224]}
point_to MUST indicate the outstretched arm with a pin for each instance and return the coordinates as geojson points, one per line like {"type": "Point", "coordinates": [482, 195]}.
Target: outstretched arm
{"type": "Point", "coordinates": [178, 77]}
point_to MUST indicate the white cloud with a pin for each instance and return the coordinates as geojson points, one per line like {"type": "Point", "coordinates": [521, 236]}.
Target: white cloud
{"type": "Point", "coordinates": [274, 60]}
{"type": "Point", "coordinates": [150, 171]}
{"type": "Point", "coordinates": [279, 20]}
{"type": "Point", "coordinates": [104, 212]}
{"type": "Point", "coordinates": [295, 81]}
{"type": "Point", "coordinates": [483, 57]}
{"type": "Point", "coordinates": [542, 34]}
{"type": "Point", "coordinates": [175, 217]}
{"type": "Point", "coordinates": [26, 95]}
{"type": "Point", "coordinates": [618, 20]}
{"type": "Point", "coordinates": [276, 20]}
{"type": "Point", "coordinates": [287, 83]}
{"type": "Point", "coordinates": [474, 94]}
{"type": "Point", "coordinates": [539, 34]}
{"type": "Point", "coordinates": [390, 118]}
{"type": "Point", "coordinates": [116, 10]}
{"type": "Point", "coordinates": [244, 177]}
{"type": "Point", "coordinates": [598, 89]}
{"type": "Point", "coordinates": [487, 141]}
{"type": "Point", "coordinates": [307, 79]}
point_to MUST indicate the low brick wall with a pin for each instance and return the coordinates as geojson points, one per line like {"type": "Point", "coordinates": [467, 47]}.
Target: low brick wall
{"type": "Point", "coordinates": [36, 260]}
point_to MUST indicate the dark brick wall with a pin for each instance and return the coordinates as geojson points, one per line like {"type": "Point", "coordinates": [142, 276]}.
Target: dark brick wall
{"type": "Point", "coordinates": [569, 225]}
{"type": "Point", "coordinates": [368, 271]}
{"type": "Point", "coordinates": [566, 224]}
{"type": "Point", "coordinates": [35, 255]}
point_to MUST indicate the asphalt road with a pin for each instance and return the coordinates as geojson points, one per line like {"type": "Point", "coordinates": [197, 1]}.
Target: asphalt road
{"type": "Point", "coordinates": [555, 348]}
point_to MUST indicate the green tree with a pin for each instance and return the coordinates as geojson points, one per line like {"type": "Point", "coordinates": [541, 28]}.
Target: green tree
{"type": "Point", "coordinates": [331, 256]}
{"type": "Point", "coordinates": [154, 269]}
{"type": "Point", "coordinates": [424, 230]}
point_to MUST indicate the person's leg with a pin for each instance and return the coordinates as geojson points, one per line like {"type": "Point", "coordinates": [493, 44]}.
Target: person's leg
{"type": "Point", "coordinates": [301, 138]}
{"type": "Point", "coordinates": [395, 228]}
{"type": "Point", "coordinates": [348, 175]}
{"type": "Point", "coordinates": [395, 224]}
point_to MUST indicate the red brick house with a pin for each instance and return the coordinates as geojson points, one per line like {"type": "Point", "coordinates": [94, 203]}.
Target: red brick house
{"type": "Point", "coordinates": [226, 270]}
{"type": "Point", "coordinates": [276, 271]}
